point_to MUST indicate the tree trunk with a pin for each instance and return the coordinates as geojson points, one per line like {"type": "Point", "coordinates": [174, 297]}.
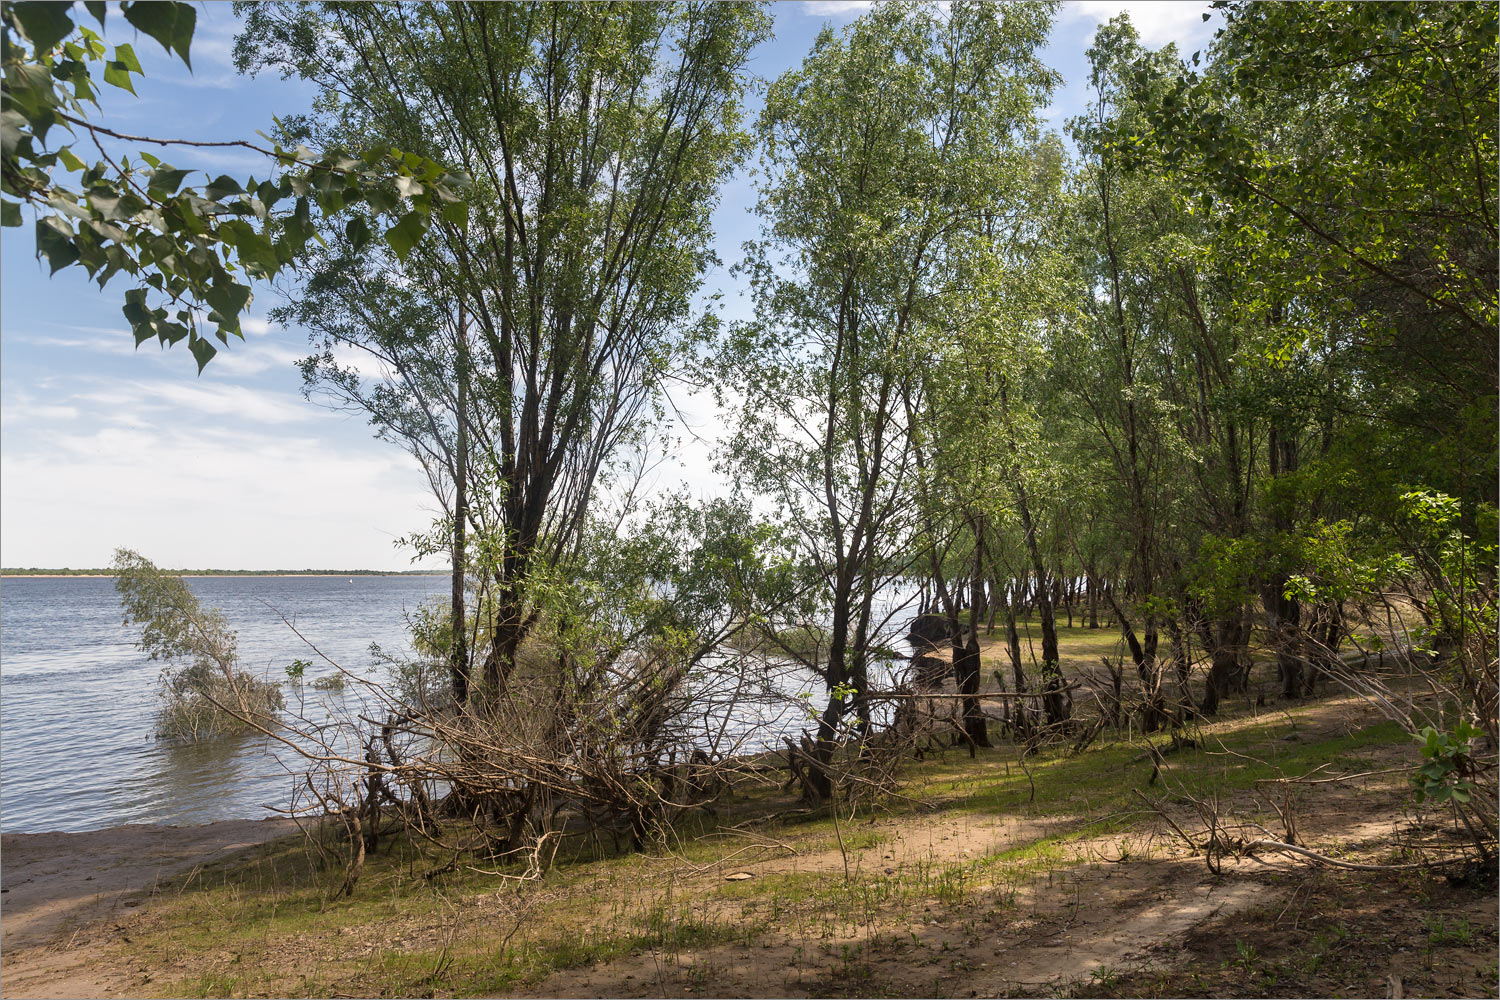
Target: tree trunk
{"type": "Point", "coordinates": [1283, 613]}
{"type": "Point", "coordinates": [458, 649]}
{"type": "Point", "coordinates": [1013, 647]}
{"type": "Point", "coordinates": [1183, 663]}
{"type": "Point", "coordinates": [1055, 701]}
{"type": "Point", "coordinates": [967, 672]}
{"type": "Point", "coordinates": [1224, 672]}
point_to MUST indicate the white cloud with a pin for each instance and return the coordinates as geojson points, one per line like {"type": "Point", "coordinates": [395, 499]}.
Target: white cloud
{"type": "Point", "coordinates": [254, 326]}
{"type": "Point", "coordinates": [186, 496]}
{"type": "Point", "coordinates": [1158, 21]}
{"type": "Point", "coordinates": [96, 340]}
{"type": "Point", "coordinates": [835, 8]}
{"type": "Point", "coordinates": [362, 361]}
{"type": "Point", "coordinates": [252, 359]}
{"type": "Point", "coordinates": [235, 404]}
{"type": "Point", "coordinates": [22, 407]}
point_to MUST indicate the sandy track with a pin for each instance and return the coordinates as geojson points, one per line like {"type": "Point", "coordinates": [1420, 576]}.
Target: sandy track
{"type": "Point", "coordinates": [55, 885]}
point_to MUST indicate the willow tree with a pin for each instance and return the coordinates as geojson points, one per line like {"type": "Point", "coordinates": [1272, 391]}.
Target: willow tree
{"type": "Point", "coordinates": [981, 474]}
{"type": "Point", "coordinates": [597, 137]}
{"type": "Point", "coordinates": [877, 150]}
{"type": "Point", "coordinates": [1125, 238]}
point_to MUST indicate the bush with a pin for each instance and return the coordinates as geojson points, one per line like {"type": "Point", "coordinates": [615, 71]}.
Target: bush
{"type": "Point", "coordinates": [203, 694]}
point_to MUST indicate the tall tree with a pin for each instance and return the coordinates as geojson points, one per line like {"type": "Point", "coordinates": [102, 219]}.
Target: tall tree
{"type": "Point", "coordinates": [878, 149]}
{"type": "Point", "coordinates": [597, 136]}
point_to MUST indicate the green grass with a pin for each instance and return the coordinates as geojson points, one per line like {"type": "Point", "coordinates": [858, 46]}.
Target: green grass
{"type": "Point", "coordinates": [292, 931]}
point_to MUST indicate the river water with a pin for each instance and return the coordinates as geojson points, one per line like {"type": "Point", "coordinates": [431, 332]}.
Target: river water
{"type": "Point", "coordinates": [78, 700]}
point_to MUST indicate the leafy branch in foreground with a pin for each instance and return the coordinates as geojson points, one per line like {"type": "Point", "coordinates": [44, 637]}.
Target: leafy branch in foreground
{"type": "Point", "coordinates": [197, 248]}
{"type": "Point", "coordinates": [203, 695]}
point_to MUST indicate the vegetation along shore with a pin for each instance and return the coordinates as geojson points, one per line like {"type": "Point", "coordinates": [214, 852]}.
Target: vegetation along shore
{"type": "Point", "coordinates": [1083, 579]}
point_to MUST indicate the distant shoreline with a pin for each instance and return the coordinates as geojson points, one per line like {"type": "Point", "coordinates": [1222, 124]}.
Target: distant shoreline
{"type": "Point", "coordinates": [285, 573]}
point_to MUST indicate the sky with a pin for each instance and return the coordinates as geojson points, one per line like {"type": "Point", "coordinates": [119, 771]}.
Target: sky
{"type": "Point", "coordinates": [104, 446]}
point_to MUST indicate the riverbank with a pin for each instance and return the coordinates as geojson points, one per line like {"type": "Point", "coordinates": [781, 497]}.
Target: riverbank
{"type": "Point", "coordinates": [984, 877]}
{"type": "Point", "coordinates": [66, 894]}
{"type": "Point", "coordinates": [54, 882]}
{"type": "Point", "coordinates": [10, 574]}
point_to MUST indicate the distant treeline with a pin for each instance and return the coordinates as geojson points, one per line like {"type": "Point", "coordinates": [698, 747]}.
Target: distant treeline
{"type": "Point", "coordinates": [36, 571]}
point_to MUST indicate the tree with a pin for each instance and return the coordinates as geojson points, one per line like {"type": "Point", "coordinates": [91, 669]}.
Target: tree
{"type": "Point", "coordinates": [976, 426]}
{"type": "Point", "coordinates": [596, 139]}
{"type": "Point", "coordinates": [193, 252]}
{"type": "Point", "coordinates": [1362, 136]}
{"type": "Point", "coordinates": [878, 149]}
{"type": "Point", "coordinates": [203, 692]}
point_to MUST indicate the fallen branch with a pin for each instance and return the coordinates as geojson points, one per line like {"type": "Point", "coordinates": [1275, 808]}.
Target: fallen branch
{"type": "Point", "coordinates": [1276, 845]}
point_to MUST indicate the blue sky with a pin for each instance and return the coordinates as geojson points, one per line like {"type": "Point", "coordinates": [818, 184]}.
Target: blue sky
{"type": "Point", "coordinates": [102, 445]}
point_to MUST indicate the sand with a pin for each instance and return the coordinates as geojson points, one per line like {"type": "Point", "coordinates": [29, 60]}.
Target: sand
{"type": "Point", "coordinates": [56, 886]}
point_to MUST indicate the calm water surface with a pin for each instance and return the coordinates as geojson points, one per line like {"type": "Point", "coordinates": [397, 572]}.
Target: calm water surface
{"type": "Point", "coordinates": [78, 700]}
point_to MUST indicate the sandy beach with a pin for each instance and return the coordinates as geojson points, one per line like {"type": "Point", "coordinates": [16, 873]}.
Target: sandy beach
{"type": "Point", "coordinates": [62, 895]}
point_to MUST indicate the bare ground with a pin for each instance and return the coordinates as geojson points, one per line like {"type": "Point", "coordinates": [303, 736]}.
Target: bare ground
{"type": "Point", "coordinates": [947, 903]}
{"type": "Point", "coordinates": [64, 893]}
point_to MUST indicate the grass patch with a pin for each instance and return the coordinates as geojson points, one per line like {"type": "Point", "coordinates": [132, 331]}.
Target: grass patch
{"type": "Point", "coordinates": [273, 922]}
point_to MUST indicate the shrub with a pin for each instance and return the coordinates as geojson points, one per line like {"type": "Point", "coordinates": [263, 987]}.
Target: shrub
{"type": "Point", "coordinates": [203, 694]}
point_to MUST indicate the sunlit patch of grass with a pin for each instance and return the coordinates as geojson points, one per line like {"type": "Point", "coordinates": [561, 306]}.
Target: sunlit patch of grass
{"type": "Point", "coordinates": [290, 930]}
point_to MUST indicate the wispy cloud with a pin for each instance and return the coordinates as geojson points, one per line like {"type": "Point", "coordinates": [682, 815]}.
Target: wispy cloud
{"type": "Point", "coordinates": [254, 326]}
{"type": "Point", "coordinates": [98, 340]}
{"type": "Point", "coordinates": [835, 8]}
{"type": "Point", "coordinates": [21, 407]}
{"type": "Point", "coordinates": [1157, 21]}
{"type": "Point", "coordinates": [252, 359]}
{"type": "Point", "coordinates": [239, 403]}
{"type": "Point", "coordinates": [192, 497]}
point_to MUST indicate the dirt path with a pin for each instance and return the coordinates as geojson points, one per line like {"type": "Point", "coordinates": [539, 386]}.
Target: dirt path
{"type": "Point", "coordinates": [1091, 912]}
{"type": "Point", "coordinates": [62, 892]}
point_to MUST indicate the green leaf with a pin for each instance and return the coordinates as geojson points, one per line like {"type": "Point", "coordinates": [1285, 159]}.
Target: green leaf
{"type": "Point", "coordinates": [357, 232]}
{"type": "Point", "coordinates": [405, 235]}
{"type": "Point", "coordinates": [10, 214]}
{"type": "Point", "coordinates": [222, 187]}
{"type": "Point", "coordinates": [106, 202]}
{"type": "Point", "coordinates": [203, 351]}
{"type": "Point", "coordinates": [166, 181]}
{"type": "Point", "coordinates": [228, 298]}
{"type": "Point", "coordinates": [52, 243]}
{"type": "Point", "coordinates": [118, 75]}
{"type": "Point", "coordinates": [97, 8]}
{"type": "Point", "coordinates": [135, 307]}
{"type": "Point", "coordinates": [69, 160]}
{"type": "Point", "coordinates": [45, 24]}
{"type": "Point", "coordinates": [457, 213]}
{"type": "Point", "coordinates": [125, 55]}
{"type": "Point", "coordinates": [171, 24]}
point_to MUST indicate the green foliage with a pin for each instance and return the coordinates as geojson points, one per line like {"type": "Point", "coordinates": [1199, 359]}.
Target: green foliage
{"type": "Point", "coordinates": [884, 153]}
{"type": "Point", "coordinates": [193, 251]}
{"type": "Point", "coordinates": [1340, 86]}
{"type": "Point", "coordinates": [1458, 569]}
{"type": "Point", "coordinates": [598, 137]}
{"type": "Point", "coordinates": [203, 693]}
{"type": "Point", "coordinates": [1449, 766]}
